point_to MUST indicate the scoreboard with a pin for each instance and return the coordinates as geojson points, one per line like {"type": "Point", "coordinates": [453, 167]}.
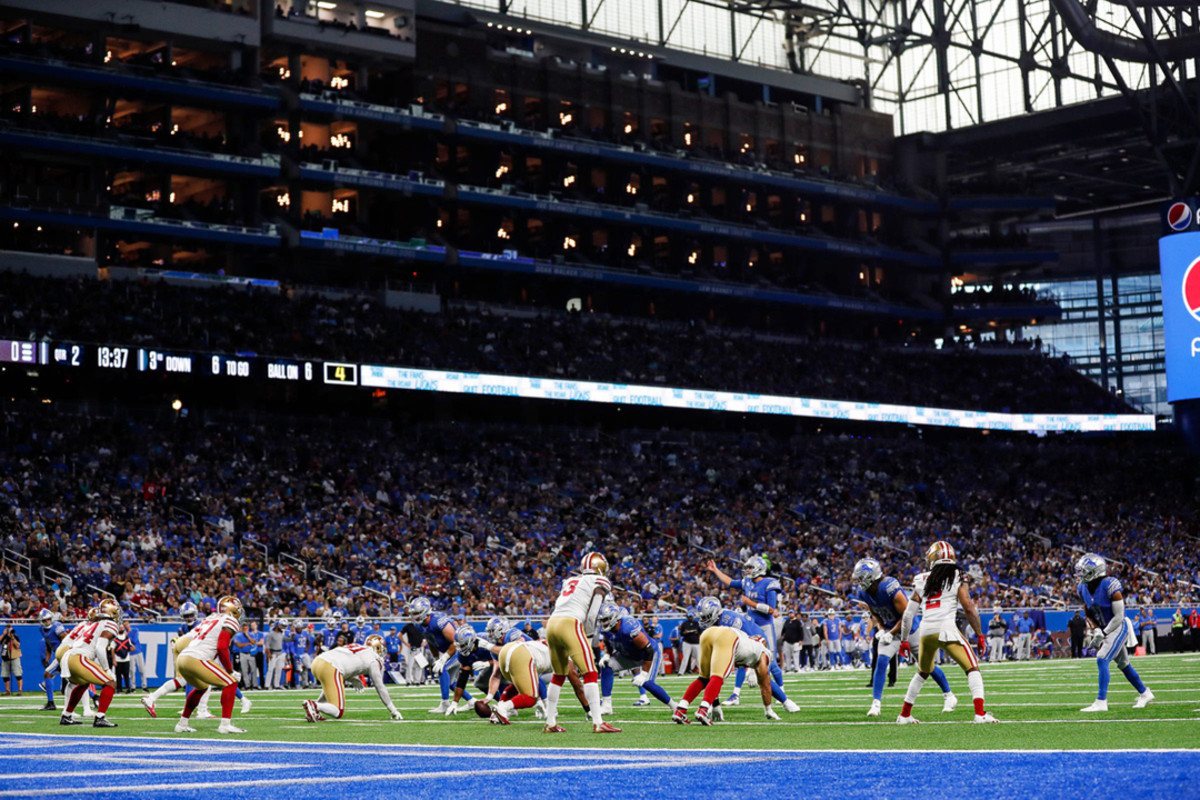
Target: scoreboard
{"type": "Point", "coordinates": [118, 358]}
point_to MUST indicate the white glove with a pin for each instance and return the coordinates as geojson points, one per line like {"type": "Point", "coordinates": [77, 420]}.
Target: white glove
{"type": "Point", "coordinates": [440, 663]}
{"type": "Point", "coordinates": [604, 661]}
{"type": "Point", "coordinates": [884, 637]}
{"type": "Point", "coordinates": [641, 679]}
{"type": "Point", "coordinates": [237, 676]}
{"type": "Point", "coordinates": [396, 713]}
{"type": "Point", "coordinates": [452, 709]}
{"type": "Point", "coordinates": [1097, 637]}
{"type": "Point", "coordinates": [770, 712]}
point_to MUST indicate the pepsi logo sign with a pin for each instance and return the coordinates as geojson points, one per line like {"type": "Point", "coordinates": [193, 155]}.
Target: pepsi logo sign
{"type": "Point", "coordinates": [1191, 289]}
{"type": "Point", "coordinates": [1179, 216]}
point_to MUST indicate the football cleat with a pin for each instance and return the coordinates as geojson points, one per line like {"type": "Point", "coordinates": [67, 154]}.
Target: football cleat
{"type": "Point", "coordinates": [245, 704]}
{"type": "Point", "coordinates": [1099, 705]}
{"type": "Point", "coordinates": [183, 727]}
{"type": "Point", "coordinates": [102, 721]}
{"type": "Point", "coordinates": [501, 713]}
{"type": "Point", "coordinates": [553, 729]}
{"type": "Point", "coordinates": [981, 718]}
{"type": "Point", "coordinates": [228, 727]}
{"type": "Point", "coordinates": [68, 719]}
{"type": "Point", "coordinates": [903, 720]}
{"type": "Point", "coordinates": [790, 706]}
{"type": "Point", "coordinates": [641, 701]}
{"type": "Point", "coordinates": [50, 707]}
{"type": "Point", "coordinates": [949, 702]}
{"type": "Point", "coordinates": [875, 709]}
{"type": "Point", "coordinates": [440, 708]}
{"type": "Point", "coordinates": [148, 704]}
{"type": "Point", "coordinates": [733, 700]}
{"type": "Point", "coordinates": [203, 713]}
{"type": "Point", "coordinates": [604, 727]}
{"type": "Point", "coordinates": [770, 713]}
{"type": "Point", "coordinates": [539, 710]}
{"type": "Point", "coordinates": [1143, 699]}
{"type": "Point", "coordinates": [310, 710]}
{"type": "Point", "coordinates": [680, 716]}
{"type": "Point", "coordinates": [606, 706]}
{"type": "Point", "coordinates": [702, 716]}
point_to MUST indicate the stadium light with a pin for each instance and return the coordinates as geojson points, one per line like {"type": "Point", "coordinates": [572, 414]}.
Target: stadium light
{"type": "Point", "coordinates": [373, 14]}
{"type": "Point", "coordinates": [177, 405]}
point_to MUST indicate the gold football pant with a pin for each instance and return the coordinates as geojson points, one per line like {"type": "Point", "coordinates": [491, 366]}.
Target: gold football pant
{"type": "Point", "coordinates": [568, 643]}
{"type": "Point", "coordinates": [716, 652]}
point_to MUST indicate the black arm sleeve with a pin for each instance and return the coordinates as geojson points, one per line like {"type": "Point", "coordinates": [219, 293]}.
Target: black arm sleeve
{"type": "Point", "coordinates": [648, 653]}
{"type": "Point", "coordinates": [464, 677]}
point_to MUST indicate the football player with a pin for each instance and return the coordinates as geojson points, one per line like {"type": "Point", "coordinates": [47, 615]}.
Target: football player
{"type": "Point", "coordinates": [499, 634]}
{"type": "Point", "coordinates": [64, 646]}
{"type": "Point", "coordinates": [53, 633]}
{"type": "Point", "coordinates": [710, 613]}
{"type": "Point", "coordinates": [183, 637]}
{"type": "Point", "coordinates": [333, 667]}
{"type": "Point", "coordinates": [438, 629]}
{"type": "Point", "coordinates": [521, 663]}
{"type": "Point", "coordinates": [569, 633]}
{"type": "Point", "coordinates": [722, 649]}
{"type": "Point", "coordinates": [472, 652]}
{"type": "Point", "coordinates": [1105, 604]}
{"type": "Point", "coordinates": [86, 664]}
{"type": "Point", "coordinates": [302, 659]}
{"type": "Point", "coordinates": [886, 603]}
{"type": "Point", "coordinates": [940, 592]}
{"type": "Point", "coordinates": [627, 647]}
{"type": "Point", "coordinates": [760, 595]}
{"type": "Point", "coordinates": [206, 663]}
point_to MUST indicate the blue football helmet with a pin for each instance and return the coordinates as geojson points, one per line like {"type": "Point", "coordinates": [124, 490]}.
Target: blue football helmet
{"type": "Point", "coordinates": [708, 611]}
{"type": "Point", "coordinates": [754, 568]}
{"type": "Point", "coordinates": [46, 617]}
{"type": "Point", "coordinates": [496, 629]}
{"type": "Point", "coordinates": [609, 616]}
{"type": "Point", "coordinates": [188, 611]}
{"type": "Point", "coordinates": [418, 609]}
{"type": "Point", "coordinates": [866, 572]}
{"type": "Point", "coordinates": [465, 639]}
{"type": "Point", "coordinates": [1089, 567]}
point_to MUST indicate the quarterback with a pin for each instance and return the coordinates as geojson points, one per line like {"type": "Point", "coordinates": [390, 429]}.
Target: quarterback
{"type": "Point", "coordinates": [85, 663]}
{"type": "Point", "coordinates": [1101, 595]}
{"type": "Point", "coordinates": [569, 632]}
{"type": "Point", "coordinates": [941, 592]}
{"type": "Point", "coordinates": [331, 669]}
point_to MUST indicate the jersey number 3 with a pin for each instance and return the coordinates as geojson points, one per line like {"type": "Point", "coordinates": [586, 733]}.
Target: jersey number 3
{"type": "Point", "coordinates": [569, 587]}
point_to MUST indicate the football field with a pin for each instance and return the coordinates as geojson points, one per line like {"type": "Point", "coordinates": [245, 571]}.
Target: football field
{"type": "Point", "coordinates": [1038, 704]}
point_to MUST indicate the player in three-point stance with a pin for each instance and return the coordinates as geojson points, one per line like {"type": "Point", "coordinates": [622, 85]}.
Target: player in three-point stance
{"type": "Point", "coordinates": [709, 613]}
{"type": "Point", "coordinates": [628, 647]}
{"type": "Point", "coordinates": [887, 603]}
{"type": "Point", "coordinates": [760, 596]}
{"type": "Point", "coordinates": [721, 650]}
{"type": "Point", "coordinates": [207, 664]}
{"type": "Point", "coordinates": [941, 592]}
{"type": "Point", "coordinates": [569, 633]}
{"type": "Point", "coordinates": [331, 669]}
{"type": "Point", "coordinates": [85, 663]}
{"type": "Point", "coordinates": [1105, 604]}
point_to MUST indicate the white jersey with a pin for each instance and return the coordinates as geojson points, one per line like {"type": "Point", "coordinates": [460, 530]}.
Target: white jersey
{"type": "Point", "coordinates": [207, 635]}
{"type": "Point", "coordinates": [939, 611]}
{"type": "Point", "coordinates": [747, 652]}
{"type": "Point", "coordinates": [353, 659]}
{"type": "Point", "coordinates": [575, 599]}
{"type": "Point", "coordinates": [87, 639]}
{"type": "Point", "coordinates": [539, 651]}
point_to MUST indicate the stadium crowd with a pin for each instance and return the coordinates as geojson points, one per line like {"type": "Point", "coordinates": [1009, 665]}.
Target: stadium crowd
{"type": "Point", "coordinates": [553, 345]}
{"type": "Point", "coordinates": [487, 519]}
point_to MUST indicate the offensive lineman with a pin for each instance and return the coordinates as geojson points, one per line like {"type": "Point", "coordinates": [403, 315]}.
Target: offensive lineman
{"type": "Point", "coordinates": [887, 603]}
{"type": "Point", "coordinates": [628, 647]}
{"type": "Point", "coordinates": [940, 591]}
{"type": "Point", "coordinates": [332, 667]}
{"type": "Point", "coordinates": [569, 633]}
{"type": "Point", "coordinates": [1105, 604]}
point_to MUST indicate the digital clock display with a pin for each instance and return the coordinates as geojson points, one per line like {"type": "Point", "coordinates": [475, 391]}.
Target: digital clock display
{"type": "Point", "coordinates": [112, 357]}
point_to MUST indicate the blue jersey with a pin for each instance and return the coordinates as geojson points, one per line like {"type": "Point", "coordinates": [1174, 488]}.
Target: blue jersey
{"type": "Point", "coordinates": [184, 629]}
{"type": "Point", "coordinates": [515, 635]}
{"type": "Point", "coordinates": [303, 643]}
{"type": "Point", "coordinates": [289, 643]}
{"type": "Point", "coordinates": [882, 601]}
{"type": "Point", "coordinates": [761, 590]}
{"type": "Point", "coordinates": [329, 636]}
{"type": "Point", "coordinates": [361, 634]}
{"type": "Point", "coordinates": [392, 643]}
{"type": "Point", "coordinates": [1099, 603]}
{"type": "Point", "coordinates": [834, 626]}
{"type": "Point", "coordinates": [741, 622]}
{"type": "Point", "coordinates": [54, 635]}
{"type": "Point", "coordinates": [433, 632]}
{"type": "Point", "coordinates": [479, 657]}
{"type": "Point", "coordinates": [619, 640]}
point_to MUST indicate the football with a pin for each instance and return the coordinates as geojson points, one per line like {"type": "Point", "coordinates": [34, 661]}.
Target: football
{"type": "Point", "coordinates": [483, 709]}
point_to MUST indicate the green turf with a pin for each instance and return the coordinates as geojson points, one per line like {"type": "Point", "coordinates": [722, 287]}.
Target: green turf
{"type": "Point", "coordinates": [1038, 704]}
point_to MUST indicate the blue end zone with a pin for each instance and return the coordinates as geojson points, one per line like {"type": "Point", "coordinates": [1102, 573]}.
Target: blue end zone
{"type": "Point", "coordinates": [38, 766]}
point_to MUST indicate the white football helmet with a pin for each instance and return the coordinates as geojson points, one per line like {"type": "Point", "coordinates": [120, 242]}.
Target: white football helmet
{"type": "Point", "coordinates": [866, 572]}
{"type": "Point", "coordinates": [496, 628]}
{"type": "Point", "coordinates": [1089, 567]}
{"type": "Point", "coordinates": [46, 617]}
{"type": "Point", "coordinates": [188, 612]}
{"type": "Point", "coordinates": [755, 567]}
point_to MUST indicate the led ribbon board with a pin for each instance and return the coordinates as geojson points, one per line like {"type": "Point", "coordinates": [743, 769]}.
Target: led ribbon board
{"type": "Point", "coordinates": [1179, 257]}
{"type": "Point", "coordinates": [426, 380]}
